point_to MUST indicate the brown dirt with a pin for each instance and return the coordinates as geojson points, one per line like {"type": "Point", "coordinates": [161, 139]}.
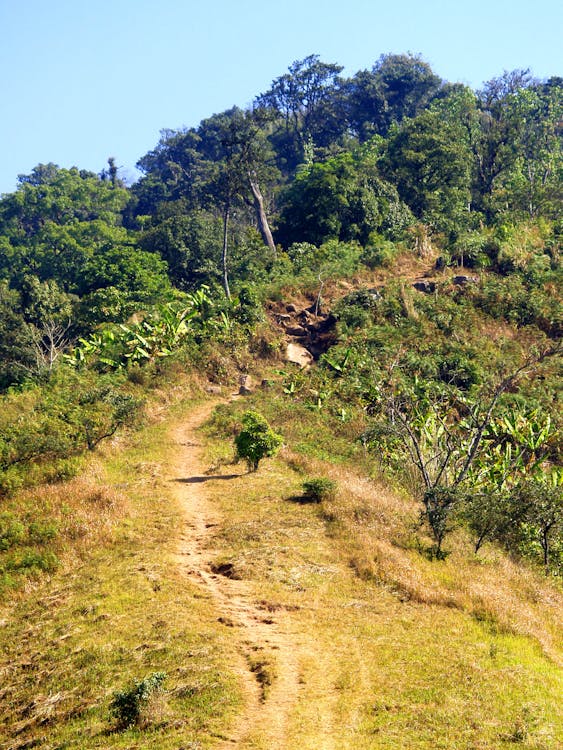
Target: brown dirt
{"type": "Point", "coordinates": [267, 661]}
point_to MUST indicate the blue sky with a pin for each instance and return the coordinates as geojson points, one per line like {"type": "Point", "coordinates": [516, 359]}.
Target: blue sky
{"type": "Point", "coordinates": [82, 80]}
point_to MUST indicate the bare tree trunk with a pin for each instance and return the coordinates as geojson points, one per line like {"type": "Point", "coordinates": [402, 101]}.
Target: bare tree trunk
{"type": "Point", "coordinates": [49, 343]}
{"type": "Point", "coordinates": [226, 213]}
{"type": "Point", "coordinates": [261, 217]}
{"type": "Point", "coordinates": [318, 300]}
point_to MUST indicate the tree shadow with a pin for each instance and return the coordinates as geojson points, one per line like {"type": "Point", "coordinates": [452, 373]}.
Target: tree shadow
{"type": "Point", "coordinates": [302, 500]}
{"type": "Point", "coordinates": [201, 479]}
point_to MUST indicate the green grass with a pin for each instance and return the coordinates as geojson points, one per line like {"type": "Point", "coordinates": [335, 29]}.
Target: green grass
{"type": "Point", "coordinates": [392, 650]}
{"type": "Point", "coordinates": [114, 615]}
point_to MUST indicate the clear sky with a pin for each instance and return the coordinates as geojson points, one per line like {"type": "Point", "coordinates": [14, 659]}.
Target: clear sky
{"type": "Point", "coordinates": [82, 80]}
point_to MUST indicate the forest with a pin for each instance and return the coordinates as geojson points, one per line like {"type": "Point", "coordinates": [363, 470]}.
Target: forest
{"type": "Point", "coordinates": [404, 229]}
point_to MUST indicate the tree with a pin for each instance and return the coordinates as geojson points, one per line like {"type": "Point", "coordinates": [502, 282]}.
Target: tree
{"type": "Point", "coordinates": [428, 159]}
{"type": "Point", "coordinates": [407, 84]}
{"type": "Point", "coordinates": [341, 198]}
{"type": "Point", "coordinates": [189, 243]}
{"type": "Point", "coordinates": [174, 170]}
{"type": "Point", "coordinates": [49, 313]}
{"type": "Point", "coordinates": [516, 494]}
{"type": "Point", "coordinates": [223, 167]}
{"type": "Point", "coordinates": [542, 517]}
{"type": "Point", "coordinates": [444, 439]}
{"type": "Point", "coordinates": [531, 187]}
{"type": "Point", "coordinates": [256, 440]}
{"type": "Point", "coordinates": [365, 105]}
{"type": "Point", "coordinates": [494, 143]}
{"type": "Point", "coordinates": [16, 341]}
{"type": "Point", "coordinates": [63, 228]}
{"type": "Point", "coordinates": [239, 150]}
{"type": "Point", "coordinates": [306, 100]}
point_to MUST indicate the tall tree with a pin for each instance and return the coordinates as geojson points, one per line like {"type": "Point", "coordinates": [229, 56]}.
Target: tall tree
{"type": "Point", "coordinates": [225, 166]}
{"type": "Point", "coordinates": [429, 161]}
{"type": "Point", "coordinates": [236, 141]}
{"type": "Point", "coordinates": [365, 105]}
{"type": "Point", "coordinates": [305, 99]}
{"type": "Point", "coordinates": [533, 186]}
{"type": "Point", "coordinates": [174, 170]}
{"type": "Point", "coordinates": [495, 144]}
{"type": "Point", "coordinates": [407, 84]}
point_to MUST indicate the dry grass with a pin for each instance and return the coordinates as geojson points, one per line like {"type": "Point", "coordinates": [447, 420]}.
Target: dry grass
{"type": "Point", "coordinates": [394, 649]}
{"type": "Point", "coordinates": [116, 610]}
{"type": "Point", "coordinates": [375, 645]}
{"type": "Point", "coordinates": [381, 532]}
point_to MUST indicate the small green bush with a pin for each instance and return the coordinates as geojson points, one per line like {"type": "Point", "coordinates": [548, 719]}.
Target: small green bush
{"type": "Point", "coordinates": [379, 252]}
{"type": "Point", "coordinates": [129, 706]}
{"type": "Point", "coordinates": [318, 489]}
{"type": "Point", "coordinates": [12, 531]}
{"type": "Point", "coordinates": [29, 560]}
{"type": "Point", "coordinates": [42, 531]}
{"type": "Point", "coordinates": [256, 440]}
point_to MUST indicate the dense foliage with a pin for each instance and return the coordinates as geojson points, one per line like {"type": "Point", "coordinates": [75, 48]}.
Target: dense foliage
{"type": "Point", "coordinates": [323, 177]}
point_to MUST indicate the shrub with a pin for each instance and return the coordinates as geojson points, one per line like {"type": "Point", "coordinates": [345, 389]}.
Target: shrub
{"type": "Point", "coordinates": [12, 531]}
{"type": "Point", "coordinates": [249, 309]}
{"type": "Point", "coordinates": [356, 309]}
{"type": "Point", "coordinates": [256, 440]}
{"type": "Point", "coordinates": [318, 489]}
{"type": "Point", "coordinates": [40, 532]}
{"type": "Point", "coordinates": [29, 560]}
{"type": "Point", "coordinates": [129, 707]}
{"type": "Point", "coordinates": [378, 252]}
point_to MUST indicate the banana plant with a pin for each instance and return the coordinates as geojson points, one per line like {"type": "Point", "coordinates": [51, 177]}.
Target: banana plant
{"type": "Point", "coordinates": [158, 335]}
{"type": "Point", "coordinates": [339, 367]}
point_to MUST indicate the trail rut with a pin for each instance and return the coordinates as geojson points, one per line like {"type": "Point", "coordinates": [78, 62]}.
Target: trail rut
{"type": "Point", "coordinates": [267, 661]}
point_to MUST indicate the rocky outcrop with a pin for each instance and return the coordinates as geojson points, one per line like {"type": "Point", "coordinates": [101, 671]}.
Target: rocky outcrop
{"type": "Point", "coordinates": [428, 287]}
{"type": "Point", "coordinates": [310, 333]}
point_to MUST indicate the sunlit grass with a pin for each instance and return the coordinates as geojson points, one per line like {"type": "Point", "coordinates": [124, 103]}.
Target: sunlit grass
{"type": "Point", "coordinates": [393, 649]}
{"type": "Point", "coordinates": [117, 610]}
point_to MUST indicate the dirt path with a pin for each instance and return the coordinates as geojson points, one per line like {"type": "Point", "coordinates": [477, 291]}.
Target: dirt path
{"type": "Point", "coordinates": [268, 663]}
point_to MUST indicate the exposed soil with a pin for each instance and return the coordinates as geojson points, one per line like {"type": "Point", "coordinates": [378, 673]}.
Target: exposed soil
{"type": "Point", "coordinates": [267, 662]}
{"type": "Point", "coordinates": [310, 328]}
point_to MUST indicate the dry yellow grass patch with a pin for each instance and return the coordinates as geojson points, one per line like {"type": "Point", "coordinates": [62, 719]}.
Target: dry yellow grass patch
{"type": "Point", "coordinates": [380, 530]}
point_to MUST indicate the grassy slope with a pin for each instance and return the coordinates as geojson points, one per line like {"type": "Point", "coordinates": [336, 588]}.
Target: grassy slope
{"type": "Point", "coordinates": [118, 611]}
{"type": "Point", "coordinates": [391, 650]}
{"type": "Point", "coordinates": [395, 651]}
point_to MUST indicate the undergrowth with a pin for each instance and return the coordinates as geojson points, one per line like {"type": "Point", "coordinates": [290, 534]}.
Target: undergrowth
{"type": "Point", "coordinates": [113, 609]}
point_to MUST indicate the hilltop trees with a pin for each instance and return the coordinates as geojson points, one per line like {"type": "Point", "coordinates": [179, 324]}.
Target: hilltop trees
{"type": "Point", "coordinates": [407, 85]}
{"type": "Point", "coordinates": [322, 156]}
{"type": "Point", "coordinates": [306, 101]}
{"type": "Point", "coordinates": [64, 226]}
{"type": "Point", "coordinates": [214, 172]}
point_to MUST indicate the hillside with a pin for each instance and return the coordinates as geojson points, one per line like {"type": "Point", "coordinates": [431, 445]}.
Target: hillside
{"type": "Point", "coordinates": [279, 622]}
{"type": "Point", "coordinates": [356, 282]}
